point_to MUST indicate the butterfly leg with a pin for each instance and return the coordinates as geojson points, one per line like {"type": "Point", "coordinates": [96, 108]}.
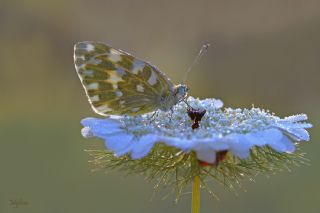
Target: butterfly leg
{"type": "Point", "coordinates": [186, 102]}
{"type": "Point", "coordinates": [153, 116]}
{"type": "Point", "coordinates": [171, 114]}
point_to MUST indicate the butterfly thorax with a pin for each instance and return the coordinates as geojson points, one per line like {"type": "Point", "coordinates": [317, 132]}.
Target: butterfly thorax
{"type": "Point", "coordinates": [177, 95]}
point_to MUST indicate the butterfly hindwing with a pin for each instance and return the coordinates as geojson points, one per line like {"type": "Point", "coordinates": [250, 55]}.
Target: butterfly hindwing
{"type": "Point", "coordinates": [117, 83]}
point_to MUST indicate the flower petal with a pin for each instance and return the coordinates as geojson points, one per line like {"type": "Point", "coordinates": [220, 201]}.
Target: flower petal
{"type": "Point", "coordinates": [120, 143]}
{"type": "Point", "coordinates": [239, 146]}
{"type": "Point", "coordinates": [298, 134]}
{"type": "Point", "coordinates": [86, 132]}
{"type": "Point", "coordinates": [102, 127]}
{"type": "Point", "coordinates": [208, 156]}
{"type": "Point", "coordinates": [255, 139]}
{"type": "Point", "coordinates": [289, 146]}
{"type": "Point", "coordinates": [141, 147]}
{"type": "Point", "coordinates": [218, 144]}
{"type": "Point", "coordinates": [275, 139]}
{"type": "Point", "coordinates": [183, 144]}
{"type": "Point", "coordinates": [205, 149]}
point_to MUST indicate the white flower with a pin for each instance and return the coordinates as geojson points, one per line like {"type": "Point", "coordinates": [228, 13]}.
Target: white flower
{"type": "Point", "coordinates": [232, 130]}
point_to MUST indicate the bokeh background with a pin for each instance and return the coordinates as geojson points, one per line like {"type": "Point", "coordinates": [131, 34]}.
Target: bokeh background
{"type": "Point", "coordinates": [264, 53]}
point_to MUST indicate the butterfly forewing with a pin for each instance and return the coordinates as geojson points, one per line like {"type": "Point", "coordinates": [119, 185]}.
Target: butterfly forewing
{"type": "Point", "coordinates": [117, 83]}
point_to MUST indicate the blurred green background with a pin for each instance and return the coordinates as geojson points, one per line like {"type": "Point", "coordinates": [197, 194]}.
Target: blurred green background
{"type": "Point", "coordinates": [263, 52]}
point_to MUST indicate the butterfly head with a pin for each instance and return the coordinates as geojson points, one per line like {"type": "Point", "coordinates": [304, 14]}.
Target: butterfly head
{"type": "Point", "coordinates": [180, 92]}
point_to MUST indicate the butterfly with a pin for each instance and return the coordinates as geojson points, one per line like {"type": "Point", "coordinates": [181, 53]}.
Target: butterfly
{"type": "Point", "coordinates": [117, 83]}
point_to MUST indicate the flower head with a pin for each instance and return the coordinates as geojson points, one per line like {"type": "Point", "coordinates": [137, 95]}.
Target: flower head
{"type": "Point", "coordinates": [233, 130]}
{"type": "Point", "coordinates": [180, 145]}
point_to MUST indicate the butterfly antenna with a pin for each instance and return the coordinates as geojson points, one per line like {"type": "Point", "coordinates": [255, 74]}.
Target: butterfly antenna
{"type": "Point", "coordinates": [202, 51]}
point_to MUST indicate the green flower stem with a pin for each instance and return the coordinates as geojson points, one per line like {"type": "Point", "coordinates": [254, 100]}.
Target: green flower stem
{"type": "Point", "coordinates": [195, 207]}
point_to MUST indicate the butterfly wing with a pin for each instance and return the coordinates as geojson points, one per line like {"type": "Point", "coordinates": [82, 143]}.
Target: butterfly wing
{"type": "Point", "coordinates": [117, 83]}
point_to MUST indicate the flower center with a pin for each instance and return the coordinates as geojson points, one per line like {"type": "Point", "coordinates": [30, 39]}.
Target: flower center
{"type": "Point", "coordinates": [196, 116]}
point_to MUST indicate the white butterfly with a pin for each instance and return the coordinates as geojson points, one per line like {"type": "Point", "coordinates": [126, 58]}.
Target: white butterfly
{"type": "Point", "coordinates": [117, 83]}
